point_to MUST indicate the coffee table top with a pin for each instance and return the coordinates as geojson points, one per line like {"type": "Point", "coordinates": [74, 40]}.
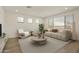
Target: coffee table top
{"type": "Point", "coordinates": [38, 39]}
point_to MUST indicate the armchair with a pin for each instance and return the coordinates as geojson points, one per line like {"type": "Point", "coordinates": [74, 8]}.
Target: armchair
{"type": "Point", "coordinates": [23, 34]}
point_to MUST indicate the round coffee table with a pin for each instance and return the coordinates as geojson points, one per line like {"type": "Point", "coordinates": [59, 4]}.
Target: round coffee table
{"type": "Point", "coordinates": [39, 41]}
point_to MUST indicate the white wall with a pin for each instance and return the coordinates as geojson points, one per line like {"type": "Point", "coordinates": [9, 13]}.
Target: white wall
{"type": "Point", "coordinates": [75, 13]}
{"type": "Point", "coordinates": [2, 15]}
{"type": "Point", "coordinates": [12, 25]}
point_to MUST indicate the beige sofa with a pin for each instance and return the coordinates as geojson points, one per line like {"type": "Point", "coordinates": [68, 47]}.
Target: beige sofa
{"type": "Point", "coordinates": [64, 35]}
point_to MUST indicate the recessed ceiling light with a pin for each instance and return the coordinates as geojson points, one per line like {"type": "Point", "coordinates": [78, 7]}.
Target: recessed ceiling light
{"type": "Point", "coordinates": [16, 10]}
{"type": "Point", "coordinates": [66, 8]}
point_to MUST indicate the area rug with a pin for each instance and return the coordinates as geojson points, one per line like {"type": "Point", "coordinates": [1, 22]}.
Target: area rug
{"type": "Point", "coordinates": [52, 46]}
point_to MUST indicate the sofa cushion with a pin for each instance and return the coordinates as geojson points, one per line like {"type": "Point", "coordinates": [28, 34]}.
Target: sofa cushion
{"type": "Point", "coordinates": [54, 30]}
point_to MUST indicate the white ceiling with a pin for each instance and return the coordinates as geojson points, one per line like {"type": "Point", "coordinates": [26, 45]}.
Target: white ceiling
{"type": "Point", "coordinates": [39, 10]}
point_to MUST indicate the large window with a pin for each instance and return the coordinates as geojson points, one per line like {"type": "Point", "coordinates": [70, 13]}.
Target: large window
{"type": "Point", "coordinates": [69, 22]}
{"type": "Point", "coordinates": [59, 21]}
{"type": "Point", "coordinates": [50, 22]}
{"type": "Point", "coordinates": [29, 20]}
{"type": "Point", "coordinates": [37, 21]}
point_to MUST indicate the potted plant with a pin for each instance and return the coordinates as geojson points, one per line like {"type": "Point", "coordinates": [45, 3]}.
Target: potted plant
{"type": "Point", "coordinates": [41, 30]}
